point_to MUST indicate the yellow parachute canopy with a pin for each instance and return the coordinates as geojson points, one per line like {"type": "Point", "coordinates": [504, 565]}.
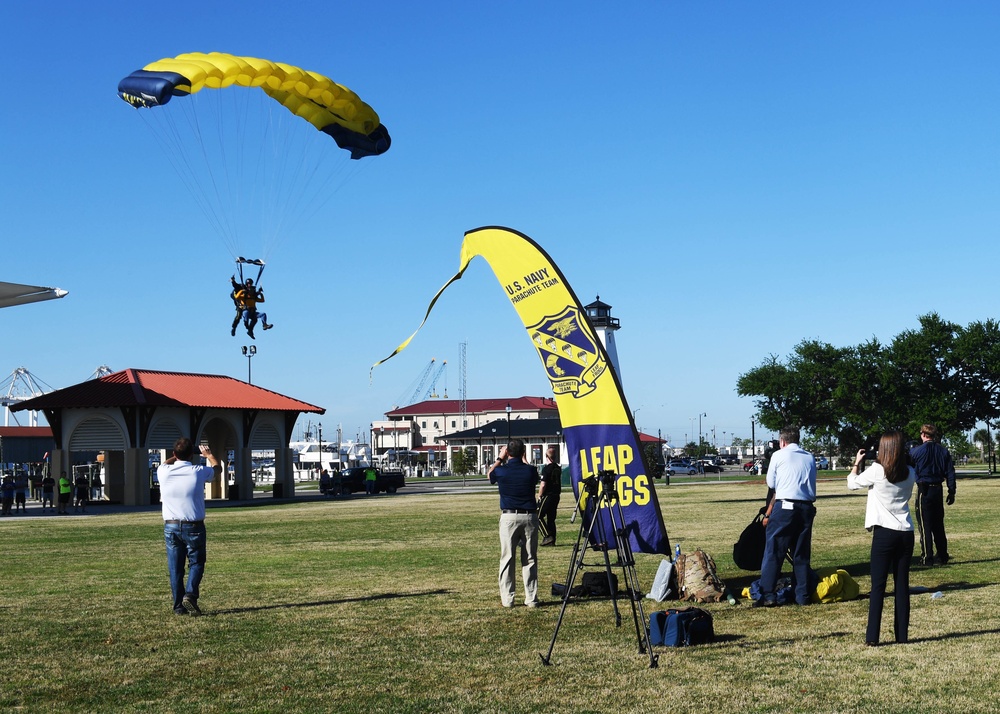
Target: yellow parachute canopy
{"type": "Point", "coordinates": [328, 106]}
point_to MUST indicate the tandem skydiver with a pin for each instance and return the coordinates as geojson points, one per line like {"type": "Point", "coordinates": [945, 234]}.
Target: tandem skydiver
{"type": "Point", "coordinates": [246, 297]}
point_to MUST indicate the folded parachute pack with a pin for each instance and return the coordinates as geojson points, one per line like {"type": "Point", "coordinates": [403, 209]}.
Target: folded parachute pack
{"type": "Point", "coordinates": [835, 585]}
{"type": "Point", "coordinates": [829, 585]}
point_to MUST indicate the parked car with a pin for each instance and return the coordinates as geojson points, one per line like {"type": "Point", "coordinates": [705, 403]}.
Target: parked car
{"type": "Point", "coordinates": [822, 462]}
{"type": "Point", "coordinates": [679, 467]}
{"type": "Point", "coordinates": [710, 467]}
{"type": "Point", "coordinates": [751, 465]}
{"type": "Point", "coordinates": [352, 480]}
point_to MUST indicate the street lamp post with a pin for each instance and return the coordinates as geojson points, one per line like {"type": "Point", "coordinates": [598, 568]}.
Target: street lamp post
{"type": "Point", "coordinates": [319, 428]}
{"type": "Point", "coordinates": [508, 422]}
{"type": "Point", "coordinates": [381, 438]}
{"type": "Point", "coordinates": [249, 352]}
{"type": "Point", "coordinates": [700, 450]}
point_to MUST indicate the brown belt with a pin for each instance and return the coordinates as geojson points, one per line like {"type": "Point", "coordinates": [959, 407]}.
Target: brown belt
{"type": "Point", "coordinates": [186, 523]}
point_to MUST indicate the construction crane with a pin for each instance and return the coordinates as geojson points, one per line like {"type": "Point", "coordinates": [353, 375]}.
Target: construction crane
{"type": "Point", "coordinates": [414, 394]}
{"type": "Point", "coordinates": [431, 394]}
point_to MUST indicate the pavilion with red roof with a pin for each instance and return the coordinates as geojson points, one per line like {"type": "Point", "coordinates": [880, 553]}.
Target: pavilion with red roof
{"type": "Point", "coordinates": [129, 413]}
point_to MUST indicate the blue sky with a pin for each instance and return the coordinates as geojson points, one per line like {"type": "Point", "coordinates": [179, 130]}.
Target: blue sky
{"type": "Point", "coordinates": [731, 177]}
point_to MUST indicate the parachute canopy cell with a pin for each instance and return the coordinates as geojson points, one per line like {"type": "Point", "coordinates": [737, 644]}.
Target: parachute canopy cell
{"type": "Point", "coordinates": [330, 107]}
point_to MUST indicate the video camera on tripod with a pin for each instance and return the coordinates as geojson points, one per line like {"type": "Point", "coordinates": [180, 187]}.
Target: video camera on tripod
{"type": "Point", "coordinates": [603, 482]}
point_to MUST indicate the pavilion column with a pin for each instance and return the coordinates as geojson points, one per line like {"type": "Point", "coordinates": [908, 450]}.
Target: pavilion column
{"type": "Point", "coordinates": [216, 438]}
{"type": "Point", "coordinates": [60, 462]}
{"type": "Point", "coordinates": [284, 481]}
{"type": "Point", "coordinates": [242, 473]}
{"type": "Point", "coordinates": [130, 468]}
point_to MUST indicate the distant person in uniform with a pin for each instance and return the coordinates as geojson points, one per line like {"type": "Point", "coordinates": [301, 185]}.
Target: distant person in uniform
{"type": "Point", "coordinates": [21, 488]}
{"type": "Point", "coordinates": [48, 491]}
{"type": "Point", "coordinates": [548, 496]}
{"type": "Point", "coordinates": [65, 493]}
{"type": "Point", "coordinates": [82, 493]}
{"type": "Point", "coordinates": [7, 493]}
{"type": "Point", "coordinates": [370, 476]}
{"type": "Point", "coordinates": [935, 468]}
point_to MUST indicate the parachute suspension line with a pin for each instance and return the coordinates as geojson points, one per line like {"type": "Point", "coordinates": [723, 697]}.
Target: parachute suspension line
{"type": "Point", "coordinates": [320, 184]}
{"type": "Point", "coordinates": [166, 132]}
{"type": "Point", "coordinates": [216, 216]}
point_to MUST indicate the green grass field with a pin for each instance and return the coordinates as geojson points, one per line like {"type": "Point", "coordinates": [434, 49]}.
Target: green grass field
{"type": "Point", "coordinates": [390, 604]}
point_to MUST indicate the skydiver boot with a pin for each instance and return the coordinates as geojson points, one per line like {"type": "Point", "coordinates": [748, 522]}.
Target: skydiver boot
{"type": "Point", "coordinates": [268, 325]}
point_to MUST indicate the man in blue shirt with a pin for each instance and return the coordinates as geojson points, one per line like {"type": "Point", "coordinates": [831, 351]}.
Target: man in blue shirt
{"type": "Point", "coordinates": [934, 467]}
{"type": "Point", "coordinates": [789, 519]}
{"type": "Point", "coordinates": [516, 482]}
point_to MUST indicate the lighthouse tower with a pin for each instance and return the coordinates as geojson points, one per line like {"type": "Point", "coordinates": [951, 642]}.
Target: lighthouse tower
{"type": "Point", "coordinates": [606, 326]}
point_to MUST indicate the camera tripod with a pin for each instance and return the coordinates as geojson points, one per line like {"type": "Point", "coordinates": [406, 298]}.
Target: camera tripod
{"type": "Point", "coordinates": [600, 492]}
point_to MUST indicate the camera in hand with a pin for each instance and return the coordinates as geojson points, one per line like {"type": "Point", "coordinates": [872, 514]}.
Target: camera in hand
{"type": "Point", "coordinates": [871, 448]}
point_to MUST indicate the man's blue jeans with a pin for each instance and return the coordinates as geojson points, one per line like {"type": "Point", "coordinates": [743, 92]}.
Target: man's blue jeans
{"type": "Point", "coordinates": [185, 541]}
{"type": "Point", "coordinates": [788, 529]}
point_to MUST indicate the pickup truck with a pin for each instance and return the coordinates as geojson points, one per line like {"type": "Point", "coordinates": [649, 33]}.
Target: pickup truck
{"type": "Point", "coordinates": [352, 480]}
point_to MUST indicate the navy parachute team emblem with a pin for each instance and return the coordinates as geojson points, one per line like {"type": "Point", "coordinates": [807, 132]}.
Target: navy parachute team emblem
{"type": "Point", "coordinates": [569, 352]}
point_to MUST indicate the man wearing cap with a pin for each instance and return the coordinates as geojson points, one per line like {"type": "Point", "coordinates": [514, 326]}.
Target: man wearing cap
{"type": "Point", "coordinates": [516, 482]}
{"type": "Point", "coordinates": [182, 494]}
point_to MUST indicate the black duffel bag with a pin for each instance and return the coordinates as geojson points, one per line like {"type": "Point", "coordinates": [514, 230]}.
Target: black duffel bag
{"type": "Point", "coordinates": [748, 551]}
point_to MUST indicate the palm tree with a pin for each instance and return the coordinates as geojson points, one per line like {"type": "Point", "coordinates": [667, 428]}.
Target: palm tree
{"type": "Point", "coordinates": [983, 440]}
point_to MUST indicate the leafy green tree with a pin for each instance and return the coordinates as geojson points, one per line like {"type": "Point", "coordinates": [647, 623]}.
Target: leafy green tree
{"type": "Point", "coordinates": [463, 461]}
{"type": "Point", "coordinates": [940, 373]}
{"type": "Point", "coordinates": [960, 446]}
{"type": "Point", "coordinates": [976, 357]}
{"type": "Point", "coordinates": [654, 458]}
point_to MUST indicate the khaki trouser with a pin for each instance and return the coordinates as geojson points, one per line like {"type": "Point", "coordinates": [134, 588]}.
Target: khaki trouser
{"type": "Point", "coordinates": [518, 530]}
